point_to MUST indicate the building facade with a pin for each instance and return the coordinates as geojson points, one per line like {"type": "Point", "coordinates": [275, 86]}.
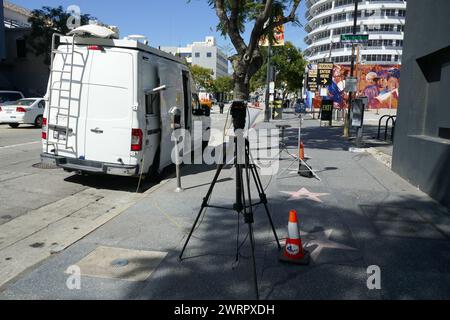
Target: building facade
{"type": "Point", "coordinates": [2, 33]}
{"type": "Point", "coordinates": [205, 54]}
{"type": "Point", "coordinates": [20, 68]}
{"type": "Point", "coordinates": [422, 135]}
{"type": "Point", "coordinates": [382, 20]}
{"type": "Point", "coordinates": [378, 62]}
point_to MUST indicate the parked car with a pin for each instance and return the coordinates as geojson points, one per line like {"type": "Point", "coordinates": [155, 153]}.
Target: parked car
{"type": "Point", "coordinates": [8, 97]}
{"type": "Point", "coordinates": [23, 111]}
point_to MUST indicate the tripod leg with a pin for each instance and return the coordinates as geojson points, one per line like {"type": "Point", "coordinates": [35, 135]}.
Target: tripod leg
{"type": "Point", "coordinates": [263, 198]}
{"type": "Point", "coordinates": [204, 205]}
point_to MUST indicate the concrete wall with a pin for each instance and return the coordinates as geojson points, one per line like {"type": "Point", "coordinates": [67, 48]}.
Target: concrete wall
{"type": "Point", "coordinates": [422, 138]}
{"type": "Point", "coordinates": [2, 33]}
{"type": "Point", "coordinates": [28, 75]}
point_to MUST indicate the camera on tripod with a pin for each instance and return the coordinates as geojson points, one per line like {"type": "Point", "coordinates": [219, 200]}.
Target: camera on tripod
{"type": "Point", "coordinates": [239, 114]}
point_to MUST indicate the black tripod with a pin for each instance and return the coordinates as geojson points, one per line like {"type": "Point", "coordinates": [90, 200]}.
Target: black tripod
{"type": "Point", "coordinates": [241, 205]}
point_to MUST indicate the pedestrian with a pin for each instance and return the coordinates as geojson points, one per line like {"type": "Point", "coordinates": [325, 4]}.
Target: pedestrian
{"type": "Point", "coordinates": [221, 106]}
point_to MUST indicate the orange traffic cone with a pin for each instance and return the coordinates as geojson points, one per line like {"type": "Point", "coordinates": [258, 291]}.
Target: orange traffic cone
{"type": "Point", "coordinates": [302, 150]}
{"type": "Point", "coordinates": [293, 251]}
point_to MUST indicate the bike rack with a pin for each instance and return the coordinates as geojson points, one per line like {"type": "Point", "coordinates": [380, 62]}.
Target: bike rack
{"type": "Point", "coordinates": [386, 126]}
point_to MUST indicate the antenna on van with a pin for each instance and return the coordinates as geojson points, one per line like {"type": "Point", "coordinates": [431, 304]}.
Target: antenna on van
{"type": "Point", "coordinates": [138, 37]}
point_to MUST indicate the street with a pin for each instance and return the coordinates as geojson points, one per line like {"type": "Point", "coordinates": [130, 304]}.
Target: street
{"type": "Point", "coordinates": [348, 224]}
{"type": "Point", "coordinates": [44, 211]}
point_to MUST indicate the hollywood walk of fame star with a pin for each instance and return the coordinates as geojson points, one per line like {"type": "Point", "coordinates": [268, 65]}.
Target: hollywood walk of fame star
{"type": "Point", "coordinates": [322, 241]}
{"type": "Point", "coordinates": [305, 194]}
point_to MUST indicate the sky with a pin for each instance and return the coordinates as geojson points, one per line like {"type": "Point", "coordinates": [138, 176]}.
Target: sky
{"type": "Point", "coordinates": [163, 22]}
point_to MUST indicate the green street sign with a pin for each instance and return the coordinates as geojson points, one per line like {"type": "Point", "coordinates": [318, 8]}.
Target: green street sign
{"type": "Point", "coordinates": [354, 38]}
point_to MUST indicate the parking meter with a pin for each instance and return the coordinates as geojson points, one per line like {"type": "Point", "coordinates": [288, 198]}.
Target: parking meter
{"type": "Point", "coordinates": [175, 123]}
{"type": "Point", "coordinates": [175, 118]}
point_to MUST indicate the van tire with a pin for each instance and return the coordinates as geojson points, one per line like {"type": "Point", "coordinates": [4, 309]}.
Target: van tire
{"type": "Point", "coordinates": [14, 125]}
{"type": "Point", "coordinates": [38, 122]}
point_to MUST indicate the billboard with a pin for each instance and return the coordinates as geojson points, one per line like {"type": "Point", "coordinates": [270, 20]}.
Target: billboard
{"type": "Point", "coordinates": [380, 83]}
{"type": "Point", "coordinates": [278, 34]}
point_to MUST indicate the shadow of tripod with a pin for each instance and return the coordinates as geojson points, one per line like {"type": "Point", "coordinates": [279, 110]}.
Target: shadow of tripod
{"type": "Point", "coordinates": [244, 203]}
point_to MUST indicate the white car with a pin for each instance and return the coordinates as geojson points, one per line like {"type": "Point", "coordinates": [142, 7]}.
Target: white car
{"type": "Point", "coordinates": [7, 97]}
{"type": "Point", "coordinates": [23, 111]}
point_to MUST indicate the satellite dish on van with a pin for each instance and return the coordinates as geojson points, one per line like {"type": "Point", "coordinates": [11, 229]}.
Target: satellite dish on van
{"type": "Point", "coordinates": [95, 31]}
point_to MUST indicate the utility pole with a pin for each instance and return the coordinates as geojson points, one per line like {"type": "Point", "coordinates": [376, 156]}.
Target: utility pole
{"type": "Point", "coordinates": [268, 114]}
{"type": "Point", "coordinates": [352, 71]}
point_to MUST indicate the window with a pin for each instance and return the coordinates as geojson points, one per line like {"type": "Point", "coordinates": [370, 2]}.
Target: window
{"type": "Point", "coordinates": [9, 96]}
{"type": "Point", "coordinates": [197, 54]}
{"type": "Point", "coordinates": [152, 103]}
{"type": "Point", "coordinates": [208, 54]}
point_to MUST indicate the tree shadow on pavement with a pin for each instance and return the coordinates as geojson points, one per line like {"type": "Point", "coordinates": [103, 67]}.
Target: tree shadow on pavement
{"type": "Point", "coordinates": [402, 237]}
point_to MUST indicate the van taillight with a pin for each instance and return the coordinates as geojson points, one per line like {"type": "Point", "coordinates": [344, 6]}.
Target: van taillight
{"type": "Point", "coordinates": [136, 139]}
{"type": "Point", "coordinates": [95, 48]}
{"type": "Point", "coordinates": [20, 109]}
{"type": "Point", "coordinates": [44, 129]}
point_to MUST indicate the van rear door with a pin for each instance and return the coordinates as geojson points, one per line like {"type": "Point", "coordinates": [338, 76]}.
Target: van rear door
{"type": "Point", "coordinates": [110, 101]}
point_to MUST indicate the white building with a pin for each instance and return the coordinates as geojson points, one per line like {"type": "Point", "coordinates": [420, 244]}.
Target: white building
{"type": "Point", "coordinates": [20, 68]}
{"type": "Point", "coordinates": [204, 54]}
{"type": "Point", "coordinates": [15, 16]}
{"type": "Point", "coordinates": [382, 20]}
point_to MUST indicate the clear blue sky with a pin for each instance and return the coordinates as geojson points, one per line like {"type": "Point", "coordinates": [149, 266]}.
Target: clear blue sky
{"type": "Point", "coordinates": [164, 22]}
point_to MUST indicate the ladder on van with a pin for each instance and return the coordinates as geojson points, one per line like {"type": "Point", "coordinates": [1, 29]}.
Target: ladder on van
{"type": "Point", "coordinates": [64, 111]}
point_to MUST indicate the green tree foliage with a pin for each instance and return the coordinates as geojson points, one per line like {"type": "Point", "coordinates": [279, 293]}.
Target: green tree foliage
{"type": "Point", "coordinates": [44, 23]}
{"type": "Point", "coordinates": [264, 16]}
{"type": "Point", "coordinates": [203, 78]}
{"type": "Point", "coordinates": [224, 84]}
{"type": "Point", "coordinates": [289, 65]}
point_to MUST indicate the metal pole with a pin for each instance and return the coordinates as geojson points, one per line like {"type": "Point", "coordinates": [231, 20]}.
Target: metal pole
{"type": "Point", "coordinates": [178, 168]}
{"type": "Point", "coordinates": [352, 71]}
{"type": "Point", "coordinates": [268, 114]}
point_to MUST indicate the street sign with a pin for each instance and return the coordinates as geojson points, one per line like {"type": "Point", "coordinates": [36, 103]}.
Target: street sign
{"type": "Point", "coordinates": [327, 111]}
{"type": "Point", "coordinates": [357, 113]}
{"type": "Point", "coordinates": [354, 38]}
{"type": "Point", "coordinates": [325, 73]}
{"type": "Point", "coordinates": [312, 81]}
{"type": "Point", "coordinates": [272, 88]}
{"type": "Point", "coordinates": [277, 113]}
{"type": "Point", "coordinates": [351, 84]}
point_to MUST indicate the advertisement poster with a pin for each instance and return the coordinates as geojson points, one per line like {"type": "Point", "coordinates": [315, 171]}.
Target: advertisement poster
{"type": "Point", "coordinates": [380, 83]}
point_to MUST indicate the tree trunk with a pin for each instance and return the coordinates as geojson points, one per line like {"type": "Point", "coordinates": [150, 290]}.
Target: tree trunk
{"type": "Point", "coordinates": [244, 70]}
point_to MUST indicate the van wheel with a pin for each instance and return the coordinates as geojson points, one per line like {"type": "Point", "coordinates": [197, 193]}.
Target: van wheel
{"type": "Point", "coordinates": [38, 122]}
{"type": "Point", "coordinates": [14, 125]}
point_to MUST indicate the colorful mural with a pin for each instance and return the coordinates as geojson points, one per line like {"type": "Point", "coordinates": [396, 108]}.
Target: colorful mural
{"type": "Point", "coordinates": [380, 83]}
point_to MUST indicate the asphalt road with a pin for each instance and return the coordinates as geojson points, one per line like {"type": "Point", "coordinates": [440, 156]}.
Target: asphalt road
{"type": "Point", "coordinates": [45, 210]}
{"type": "Point", "coordinates": [23, 187]}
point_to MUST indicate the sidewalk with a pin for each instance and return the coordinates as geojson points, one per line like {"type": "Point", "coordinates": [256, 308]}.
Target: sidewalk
{"type": "Point", "coordinates": [361, 214]}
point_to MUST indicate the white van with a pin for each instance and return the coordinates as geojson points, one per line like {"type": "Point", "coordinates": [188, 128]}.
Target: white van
{"type": "Point", "coordinates": [108, 105]}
